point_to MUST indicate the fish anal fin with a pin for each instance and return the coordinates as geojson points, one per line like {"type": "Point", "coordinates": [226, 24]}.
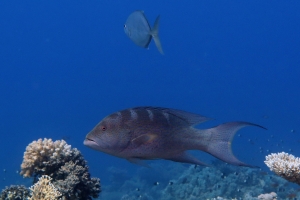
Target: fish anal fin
{"type": "Point", "coordinates": [138, 161]}
{"type": "Point", "coordinates": [144, 139]}
{"type": "Point", "coordinates": [186, 158]}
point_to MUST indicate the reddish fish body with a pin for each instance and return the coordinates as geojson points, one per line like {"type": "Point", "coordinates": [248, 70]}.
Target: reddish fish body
{"type": "Point", "coordinates": [162, 133]}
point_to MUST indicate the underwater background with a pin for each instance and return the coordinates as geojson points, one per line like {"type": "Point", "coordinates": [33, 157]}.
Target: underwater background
{"type": "Point", "coordinates": [64, 65]}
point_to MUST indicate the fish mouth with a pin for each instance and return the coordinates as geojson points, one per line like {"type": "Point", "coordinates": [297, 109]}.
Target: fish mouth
{"type": "Point", "coordinates": [93, 144]}
{"type": "Point", "coordinates": [90, 143]}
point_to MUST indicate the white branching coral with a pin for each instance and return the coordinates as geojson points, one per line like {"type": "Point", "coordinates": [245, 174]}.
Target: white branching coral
{"type": "Point", "coordinates": [268, 196]}
{"type": "Point", "coordinates": [40, 152]}
{"type": "Point", "coordinates": [285, 165]}
{"type": "Point", "coordinates": [44, 190]}
{"type": "Point", "coordinates": [65, 165]}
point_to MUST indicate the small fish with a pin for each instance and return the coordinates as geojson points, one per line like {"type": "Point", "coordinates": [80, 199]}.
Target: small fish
{"type": "Point", "coordinates": [139, 31]}
{"type": "Point", "coordinates": [145, 133]}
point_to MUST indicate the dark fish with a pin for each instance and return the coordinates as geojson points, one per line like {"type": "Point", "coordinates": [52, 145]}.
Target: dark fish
{"type": "Point", "coordinates": [139, 31]}
{"type": "Point", "coordinates": [66, 138]}
{"type": "Point", "coordinates": [160, 133]}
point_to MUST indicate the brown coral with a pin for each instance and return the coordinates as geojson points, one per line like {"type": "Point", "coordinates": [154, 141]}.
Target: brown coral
{"type": "Point", "coordinates": [15, 192]}
{"type": "Point", "coordinates": [74, 182]}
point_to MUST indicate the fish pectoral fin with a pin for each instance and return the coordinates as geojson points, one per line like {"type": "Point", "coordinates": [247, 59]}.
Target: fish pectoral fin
{"type": "Point", "coordinates": [186, 158]}
{"type": "Point", "coordinates": [143, 139]}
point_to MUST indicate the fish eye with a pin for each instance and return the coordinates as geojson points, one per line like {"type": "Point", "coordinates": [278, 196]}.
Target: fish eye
{"type": "Point", "coordinates": [103, 128]}
{"type": "Point", "coordinates": [124, 25]}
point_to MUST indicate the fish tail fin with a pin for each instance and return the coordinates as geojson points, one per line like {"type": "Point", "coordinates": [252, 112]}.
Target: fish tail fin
{"type": "Point", "coordinates": [155, 36]}
{"type": "Point", "coordinates": [220, 139]}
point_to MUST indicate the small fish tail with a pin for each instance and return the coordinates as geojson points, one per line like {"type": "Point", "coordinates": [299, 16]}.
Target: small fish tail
{"type": "Point", "coordinates": [219, 144]}
{"type": "Point", "coordinates": [155, 36]}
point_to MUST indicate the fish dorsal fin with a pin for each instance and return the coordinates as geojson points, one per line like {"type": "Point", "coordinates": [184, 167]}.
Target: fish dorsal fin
{"type": "Point", "coordinates": [143, 139]}
{"type": "Point", "coordinates": [190, 118]}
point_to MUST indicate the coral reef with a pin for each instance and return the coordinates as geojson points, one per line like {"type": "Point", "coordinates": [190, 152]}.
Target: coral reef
{"type": "Point", "coordinates": [140, 197]}
{"type": "Point", "coordinates": [44, 190]}
{"type": "Point", "coordinates": [226, 181]}
{"type": "Point", "coordinates": [65, 165]}
{"type": "Point", "coordinates": [65, 173]}
{"type": "Point", "coordinates": [221, 182]}
{"type": "Point", "coordinates": [15, 192]}
{"type": "Point", "coordinates": [285, 165]}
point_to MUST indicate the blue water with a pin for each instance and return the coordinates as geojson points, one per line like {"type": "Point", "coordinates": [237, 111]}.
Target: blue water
{"type": "Point", "coordinates": [64, 65]}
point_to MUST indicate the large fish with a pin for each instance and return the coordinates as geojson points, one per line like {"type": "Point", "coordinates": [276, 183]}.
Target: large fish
{"type": "Point", "coordinates": [139, 31]}
{"type": "Point", "coordinates": [161, 133]}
